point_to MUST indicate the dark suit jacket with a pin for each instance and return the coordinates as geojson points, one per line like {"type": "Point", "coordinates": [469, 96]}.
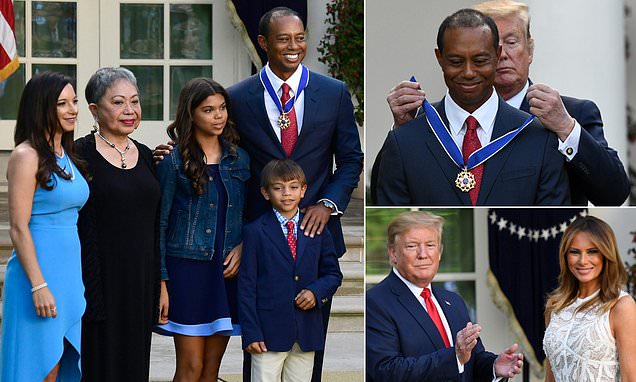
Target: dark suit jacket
{"type": "Point", "coordinates": [415, 170]}
{"type": "Point", "coordinates": [269, 280]}
{"type": "Point", "coordinates": [595, 173]}
{"type": "Point", "coordinates": [403, 343]}
{"type": "Point", "coordinates": [329, 129]}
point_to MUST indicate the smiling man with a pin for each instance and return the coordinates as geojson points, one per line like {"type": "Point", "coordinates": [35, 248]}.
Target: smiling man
{"type": "Point", "coordinates": [288, 111]}
{"type": "Point", "coordinates": [471, 148]}
{"type": "Point", "coordinates": [417, 332]}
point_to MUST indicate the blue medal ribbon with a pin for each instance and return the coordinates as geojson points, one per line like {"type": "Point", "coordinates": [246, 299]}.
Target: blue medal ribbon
{"type": "Point", "coordinates": [304, 80]}
{"type": "Point", "coordinates": [477, 157]}
{"type": "Point", "coordinates": [448, 143]}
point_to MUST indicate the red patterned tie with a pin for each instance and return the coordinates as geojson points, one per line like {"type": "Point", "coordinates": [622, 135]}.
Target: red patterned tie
{"type": "Point", "coordinates": [291, 238]}
{"type": "Point", "coordinates": [471, 143]}
{"type": "Point", "coordinates": [288, 136]}
{"type": "Point", "coordinates": [432, 312]}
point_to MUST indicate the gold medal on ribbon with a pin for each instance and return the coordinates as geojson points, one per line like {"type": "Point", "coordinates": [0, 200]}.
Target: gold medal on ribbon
{"type": "Point", "coordinates": [283, 121]}
{"type": "Point", "coordinates": [465, 180]}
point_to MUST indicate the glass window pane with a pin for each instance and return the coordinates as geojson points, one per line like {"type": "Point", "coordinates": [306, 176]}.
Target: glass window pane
{"type": "Point", "coordinates": [179, 75]}
{"type": "Point", "coordinates": [20, 35]}
{"type": "Point", "coordinates": [141, 31]}
{"type": "Point", "coordinates": [10, 93]}
{"type": "Point", "coordinates": [150, 83]}
{"type": "Point", "coordinates": [68, 70]}
{"type": "Point", "coordinates": [191, 31]}
{"type": "Point", "coordinates": [54, 29]}
{"type": "Point", "coordinates": [377, 259]}
{"type": "Point", "coordinates": [458, 239]}
{"type": "Point", "coordinates": [466, 289]}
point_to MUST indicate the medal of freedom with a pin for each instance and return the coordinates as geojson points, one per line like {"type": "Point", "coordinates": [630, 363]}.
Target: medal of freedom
{"type": "Point", "coordinates": [465, 180]}
{"type": "Point", "coordinates": [283, 121]}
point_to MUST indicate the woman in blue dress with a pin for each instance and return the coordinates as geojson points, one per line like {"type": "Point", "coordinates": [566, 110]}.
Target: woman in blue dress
{"type": "Point", "coordinates": [44, 294]}
{"type": "Point", "coordinates": [203, 192]}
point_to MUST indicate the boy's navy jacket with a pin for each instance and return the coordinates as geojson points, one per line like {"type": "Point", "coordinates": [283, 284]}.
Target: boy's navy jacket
{"type": "Point", "coordinates": [270, 279]}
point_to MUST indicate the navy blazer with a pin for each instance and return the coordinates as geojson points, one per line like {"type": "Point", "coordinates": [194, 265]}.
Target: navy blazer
{"type": "Point", "coordinates": [269, 281]}
{"type": "Point", "coordinates": [596, 173]}
{"type": "Point", "coordinates": [329, 129]}
{"type": "Point", "coordinates": [403, 343]}
{"type": "Point", "coordinates": [415, 169]}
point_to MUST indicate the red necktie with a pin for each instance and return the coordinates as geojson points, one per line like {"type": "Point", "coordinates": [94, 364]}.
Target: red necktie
{"type": "Point", "coordinates": [288, 136]}
{"type": "Point", "coordinates": [432, 312]}
{"type": "Point", "coordinates": [471, 143]}
{"type": "Point", "coordinates": [291, 238]}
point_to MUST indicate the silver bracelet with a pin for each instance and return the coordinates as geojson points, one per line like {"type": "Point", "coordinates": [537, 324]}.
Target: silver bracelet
{"type": "Point", "coordinates": [38, 287]}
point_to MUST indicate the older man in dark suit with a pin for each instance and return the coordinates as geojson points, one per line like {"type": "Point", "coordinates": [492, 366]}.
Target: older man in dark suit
{"type": "Point", "coordinates": [416, 332]}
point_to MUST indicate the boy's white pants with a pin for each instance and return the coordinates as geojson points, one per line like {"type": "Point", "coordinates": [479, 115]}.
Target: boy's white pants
{"type": "Point", "coordinates": [291, 366]}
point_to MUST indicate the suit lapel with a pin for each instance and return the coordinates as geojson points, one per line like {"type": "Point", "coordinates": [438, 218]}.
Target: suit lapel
{"type": "Point", "coordinates": [256, 103]}
{"type": "Point", "coordinates": [447, 165]}
{"type": "Point", "coordinates": [311, 107]}
{"type": "Point", "coordinates": [503, 124]}
{"type": "Point", "coordinates": [301, 242]}
{"type": "Point", "coordinates": [454, 322]}
{"type": "Point", "coordinates": [416, 310]}
{"type": "Point", "coordinates": [274, 231]}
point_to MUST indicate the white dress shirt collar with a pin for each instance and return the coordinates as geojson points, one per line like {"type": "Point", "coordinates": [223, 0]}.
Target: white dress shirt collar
{"type": "Point", "coordinates": [485, 115]}
{"type": "Point", "coordinates": [516, 100]}
{"type": "Point", "coordinates": [293, 81]}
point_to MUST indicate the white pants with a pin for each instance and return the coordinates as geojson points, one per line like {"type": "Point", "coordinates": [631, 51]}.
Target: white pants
{"type": "Point", "coordinates": [291, 366]}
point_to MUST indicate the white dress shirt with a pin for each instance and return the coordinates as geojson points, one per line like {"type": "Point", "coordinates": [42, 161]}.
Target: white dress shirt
{"type": "Point", "coordinates": [299, 104]}
{"type": "Point", "coordinates": [570, 146]}
{"type": "Point", "coordinates": [485, 115]}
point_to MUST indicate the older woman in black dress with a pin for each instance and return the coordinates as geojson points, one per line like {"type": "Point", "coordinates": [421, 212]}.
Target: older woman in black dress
{"type": "Point", "coordinates": [117, 230]}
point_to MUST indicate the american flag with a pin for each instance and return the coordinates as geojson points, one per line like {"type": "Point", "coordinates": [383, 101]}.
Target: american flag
{"type": "Point", "coordinates": [8, 49]}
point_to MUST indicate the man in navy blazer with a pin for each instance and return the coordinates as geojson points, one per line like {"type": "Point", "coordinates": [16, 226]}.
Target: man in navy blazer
{"type": "Point", "coordinates": [404, 340]}
{"type": "Point", "coordinates": [590, 163]}
{"type": "Point", "coordinates": [328, 134]}
{"type": "Point", "coordinates": [328, 131]}
{"type": "Point", "coordinates": [415, 168]}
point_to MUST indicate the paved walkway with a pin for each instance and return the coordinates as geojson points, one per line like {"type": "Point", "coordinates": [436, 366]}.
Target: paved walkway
{"type": "Point", "coordinates": [344, 359]}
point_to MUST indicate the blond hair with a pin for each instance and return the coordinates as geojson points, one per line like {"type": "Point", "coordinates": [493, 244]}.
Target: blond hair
{"type": "Point", "coordinates": [414, 219]}
{"type": "Point", "coordinates": [611, 279]}
{"type": "Point", "coordinates": [506, 9]}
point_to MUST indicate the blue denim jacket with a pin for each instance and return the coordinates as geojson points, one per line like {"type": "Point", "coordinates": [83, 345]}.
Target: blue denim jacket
{"type": "Point", "coordinates": [187, 223]}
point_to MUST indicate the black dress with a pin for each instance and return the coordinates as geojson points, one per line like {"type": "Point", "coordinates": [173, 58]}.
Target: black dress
{"type": "Point", "coordinates": [120, 261]}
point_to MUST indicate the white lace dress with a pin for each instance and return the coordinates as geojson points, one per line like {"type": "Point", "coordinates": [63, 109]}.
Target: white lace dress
{"type": "Point", "coordinates": [580, 346]}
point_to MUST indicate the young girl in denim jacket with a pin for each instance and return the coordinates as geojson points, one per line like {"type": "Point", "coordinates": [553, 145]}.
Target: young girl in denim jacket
{"type": "Point", "coordinates": [203, 193]}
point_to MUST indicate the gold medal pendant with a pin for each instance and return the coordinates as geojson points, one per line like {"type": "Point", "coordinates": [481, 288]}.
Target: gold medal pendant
{"type": "Point", "coordinates": [283, 121]}
{"type": "Point", "coordinates": [465, 180]}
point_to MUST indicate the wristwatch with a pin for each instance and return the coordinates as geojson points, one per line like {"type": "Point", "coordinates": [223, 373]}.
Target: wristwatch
{"type": "Point", "coordinates": [328, 204]}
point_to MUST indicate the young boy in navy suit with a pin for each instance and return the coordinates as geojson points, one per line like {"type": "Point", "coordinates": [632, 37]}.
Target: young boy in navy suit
{"type": "Point", "coordinates": [285, 278]}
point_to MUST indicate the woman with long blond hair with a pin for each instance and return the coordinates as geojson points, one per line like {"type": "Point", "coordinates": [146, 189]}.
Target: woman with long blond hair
{"type": "Point", "coordinates": [590, 319]}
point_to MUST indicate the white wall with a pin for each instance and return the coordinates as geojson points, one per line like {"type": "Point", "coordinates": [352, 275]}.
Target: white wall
{"type": "Point", "coordinates": [401, 38]}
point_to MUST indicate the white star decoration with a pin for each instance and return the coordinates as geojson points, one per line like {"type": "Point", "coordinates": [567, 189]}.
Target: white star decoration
{"type": "Point", "coordinates": [531, 234]}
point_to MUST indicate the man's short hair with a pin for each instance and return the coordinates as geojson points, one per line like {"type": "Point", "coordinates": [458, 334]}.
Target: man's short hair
{"type": "Point", "coordinates": [284, 170]}
{"type": "Point", "coordinates": [467, 18]}
{"type": "Point", "coordinates": [266, 19]}
{"type": "Point", "coordinates": [414, 219]}
{"type": "Point", "coordinates": [506, 9]}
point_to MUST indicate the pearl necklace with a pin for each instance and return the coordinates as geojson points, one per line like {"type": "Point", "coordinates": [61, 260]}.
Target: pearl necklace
{"type": "Point", "coordinates": [122, 153]}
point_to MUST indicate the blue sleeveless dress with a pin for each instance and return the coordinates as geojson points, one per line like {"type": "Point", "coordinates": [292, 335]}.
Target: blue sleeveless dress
{"type": "Point", "coordinates": [32, 345]}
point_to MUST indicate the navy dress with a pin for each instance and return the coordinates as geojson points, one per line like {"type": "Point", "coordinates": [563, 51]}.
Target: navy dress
{"type": "Point", "coordinates": [202, 302]}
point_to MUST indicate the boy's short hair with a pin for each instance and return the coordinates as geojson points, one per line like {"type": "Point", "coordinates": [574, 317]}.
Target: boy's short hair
{"type": "Point", "coordinates": [282, 169]}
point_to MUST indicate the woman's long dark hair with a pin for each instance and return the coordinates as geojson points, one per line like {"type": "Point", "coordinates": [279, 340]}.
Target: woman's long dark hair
{"type": "Point", "coordinates": [38, 122]}
{"type": "Point", "coordinates": [181, 131]}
